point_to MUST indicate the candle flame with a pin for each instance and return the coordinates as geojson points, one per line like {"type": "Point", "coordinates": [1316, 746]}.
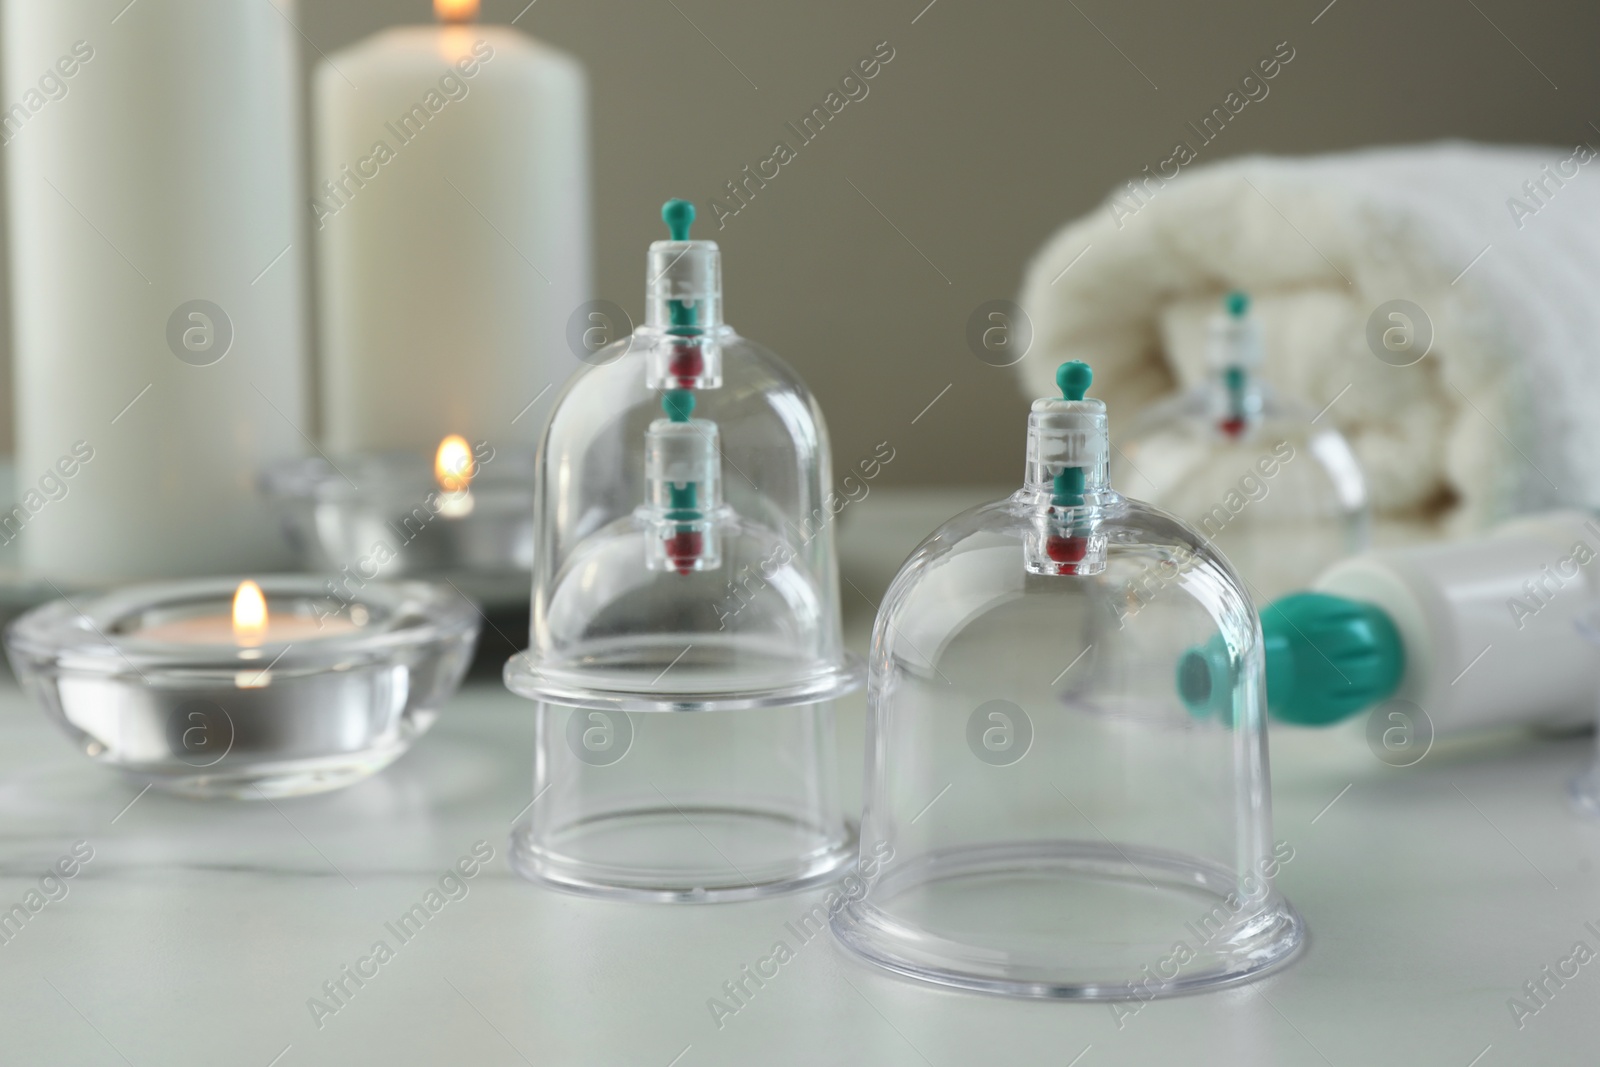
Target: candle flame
{"type": "Point", "coordinates": [249, 614]}
{"type": "Point", "coordinates": [453, 465]}
{"type": "Point", "coordinates": [455, 10]}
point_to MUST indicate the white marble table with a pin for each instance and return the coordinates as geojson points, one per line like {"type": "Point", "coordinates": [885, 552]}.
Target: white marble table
{"type": "Point", "coordinates": [198, 931]}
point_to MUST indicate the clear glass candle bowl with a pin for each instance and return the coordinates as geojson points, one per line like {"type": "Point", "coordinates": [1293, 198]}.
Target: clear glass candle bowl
{"type": "Point", "coordinates": [385, 515]}
{"type": "Point", "coordinates": [335, 689]}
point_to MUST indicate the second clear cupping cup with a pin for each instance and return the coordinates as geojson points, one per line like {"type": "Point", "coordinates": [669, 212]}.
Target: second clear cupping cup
{"type": "Point", "coordinates": [1044, 816]}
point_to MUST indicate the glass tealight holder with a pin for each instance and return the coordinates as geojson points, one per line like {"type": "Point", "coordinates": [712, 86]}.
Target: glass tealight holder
{"type": "Point", "coordinates": [391, 515]}
{"type": "Point", "coordinates": [1043, 817]}
{"type": "Point", "coordinates": [153, 681]}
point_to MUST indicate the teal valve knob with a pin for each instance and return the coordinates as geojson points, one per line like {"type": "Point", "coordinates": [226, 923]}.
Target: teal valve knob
{"type": "Point", "coordinates": [1327, 658]}
{"type": "Point", "coordinates": [679, 216]}
{"type": "Point", "coordinates": [1074, 378]}
{"type": "Point", "coordinates": [678, 404]}
{"type": "Point", "coordinates": [683, 502]}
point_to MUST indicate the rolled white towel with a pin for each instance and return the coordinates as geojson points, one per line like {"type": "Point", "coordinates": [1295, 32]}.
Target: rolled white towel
{"type": "Point", "coordinates": [1499, 247]}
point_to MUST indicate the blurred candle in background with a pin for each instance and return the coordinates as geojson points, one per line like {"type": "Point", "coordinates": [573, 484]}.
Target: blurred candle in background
{"type": "Point", "coordinates": [153, 163]}
{"type": "Point", "coordinates": [451, 199]}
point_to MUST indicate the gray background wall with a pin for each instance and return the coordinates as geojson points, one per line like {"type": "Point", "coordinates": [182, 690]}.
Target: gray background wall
{"type": "Point", "coordinates": [995, 123]}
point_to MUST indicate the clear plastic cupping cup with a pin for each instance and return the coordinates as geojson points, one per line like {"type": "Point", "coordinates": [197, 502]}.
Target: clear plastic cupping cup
{"type": "Point", "coordinates": [686, 646]}
{"type": "Point", "coordinates": [1275, 487]}
{"type": "Point", "coordinates": [1044, 818]}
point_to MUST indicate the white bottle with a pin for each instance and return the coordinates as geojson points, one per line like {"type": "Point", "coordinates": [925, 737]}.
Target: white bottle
{"type": "Point", "coordinates": [1476, 634]}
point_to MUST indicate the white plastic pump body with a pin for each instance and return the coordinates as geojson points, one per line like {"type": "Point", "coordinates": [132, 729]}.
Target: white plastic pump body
{"type": "Point", "coordinates": [1489, 625]}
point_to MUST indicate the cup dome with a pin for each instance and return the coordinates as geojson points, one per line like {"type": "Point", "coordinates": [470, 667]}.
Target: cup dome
{"type": "Point", "coordinates": [1272, 485]}
{"type": "Point", "coordinates": [758, 624]}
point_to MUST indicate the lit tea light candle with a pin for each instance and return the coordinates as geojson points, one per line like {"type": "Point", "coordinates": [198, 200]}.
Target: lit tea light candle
{"type": "Point", "coordinates": [453, 468]}
{"type": "Point", "coordinates": [248, 626]}
{"type": "Point", "coordinates": [249, 613]}
{"type": "Point", "coordinates": [455, 11]}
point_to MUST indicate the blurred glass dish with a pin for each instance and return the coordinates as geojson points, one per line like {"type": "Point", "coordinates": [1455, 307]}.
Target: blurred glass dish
{"type": "Point", "coordinates": [465, 517]}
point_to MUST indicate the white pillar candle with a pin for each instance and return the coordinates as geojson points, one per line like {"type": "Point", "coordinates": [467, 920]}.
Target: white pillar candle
{"type": "Point", "coordinates": [157, 282]}
{"type": "Point", "coordinates": [451, 199]}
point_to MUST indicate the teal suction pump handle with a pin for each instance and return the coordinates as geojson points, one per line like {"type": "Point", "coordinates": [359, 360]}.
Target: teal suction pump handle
{"type": "Point", "coordinates": [1482, 633]}
{"type": "Point", "coordinates": [1327, 658]}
